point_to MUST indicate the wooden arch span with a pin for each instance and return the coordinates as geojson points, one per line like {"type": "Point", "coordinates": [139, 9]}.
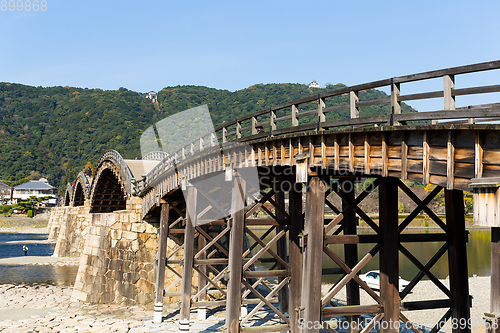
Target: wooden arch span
{"type": "Point", "coordinates": [111, 185]}
{"type": "Point", "coordinates": [81, 189]}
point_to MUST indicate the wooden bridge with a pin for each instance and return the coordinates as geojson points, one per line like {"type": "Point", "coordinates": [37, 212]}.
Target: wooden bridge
{"type": "Point", "coordinates": [301, 165]}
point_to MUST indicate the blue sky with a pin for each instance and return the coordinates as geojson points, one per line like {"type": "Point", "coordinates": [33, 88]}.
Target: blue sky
{"type": "Point", "coordinates": [148, 45]}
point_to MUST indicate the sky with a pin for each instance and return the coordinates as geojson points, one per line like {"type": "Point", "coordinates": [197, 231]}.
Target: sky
{"type": "Point", "coordinates": [149, 45]}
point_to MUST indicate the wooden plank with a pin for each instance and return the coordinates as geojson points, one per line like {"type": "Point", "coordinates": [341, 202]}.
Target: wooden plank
{"type": "Point", "coordinates": [233, 304]}
{"type": "Point", "coordinates": [389, 264]}
{"type": "Point", "coordinates": [352, 310]}
{"type": "Point", "coordinates": [160, 272]}
{"type": "Point", "coordinates": [476, 90]}
{"type": "Point", "coordinates": [373, 102]}
{"type": "Point", "coordinates": [296, 227]}
{"type": "Point", "coordinates": [426, 95]}
{"type": "Point", "coordinates": [311, 292]}
{"type": "Point", "coordinates": [457, 257]}
{"type": "Point", "coordinates": [385, 159]}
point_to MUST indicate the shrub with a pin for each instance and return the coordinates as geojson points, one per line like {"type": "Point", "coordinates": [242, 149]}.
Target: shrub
{"type": "Point", "coordinates": [5, 208]}
{"type": "Point", "coordinates": [11, 211]}
{"type": "Point", "coordinates": [30, 213]}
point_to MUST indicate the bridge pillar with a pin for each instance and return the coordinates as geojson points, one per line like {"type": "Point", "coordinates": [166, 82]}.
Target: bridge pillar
{"type": "Point", "coordinates": [187, 269]}
{"type": "Point", "coordinates": [282, 252]}
{"type": "Point", "coordinates": [350, 250]}
{"type": "Point", "coordinates": [233, 302]}
{"type": "Point", "coordinates": [389, 254]}
{"type": "Point", "coordinates": [313, 228]}
{"type": "Point", "coordinates": [296, 227]}
{"type": "Point", "coordinates": [162, 255]}
{"type": "Point", "coordinates": [457, 258]}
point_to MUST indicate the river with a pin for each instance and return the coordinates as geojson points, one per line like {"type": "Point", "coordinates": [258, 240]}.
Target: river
{"type": "Point", "coordinates": [478, 256]}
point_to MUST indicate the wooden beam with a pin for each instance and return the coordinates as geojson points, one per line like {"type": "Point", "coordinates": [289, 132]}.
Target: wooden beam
{"type": "Point", "coordinates": [233, 305]}
{"type": "Point", "coordinates": [350, 250]}
{"type": "Point", "coordinates": [281, 246]}
{"type": "Point", "coordinates": [296, 227]}
{"type": "Point", "coordinates": [160, 271]}
{"type": "Point", "coordinates": [389, 263]}
{"type": "Point", "coordinates": [187, 269]}
{"type": "Point", "coordinates": [202, 282]}
{"type": "Point", "coordinates": [311, 291]}
{"type": "Point", "coordinates": [457, 257]}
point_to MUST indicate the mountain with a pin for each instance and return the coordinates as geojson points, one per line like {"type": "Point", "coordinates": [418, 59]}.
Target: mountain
{"type": "Point", "coordinates": [55, 131]}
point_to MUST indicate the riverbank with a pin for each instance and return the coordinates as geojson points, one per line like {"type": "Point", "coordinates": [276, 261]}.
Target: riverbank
{"type": "Point", "coordinates": [479, 289]}
{"type": "Point", "coordinates": [40, 308]}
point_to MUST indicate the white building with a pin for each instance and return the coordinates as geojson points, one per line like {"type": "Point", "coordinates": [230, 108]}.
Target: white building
{"type": "Point", "coordinates": [313, 84]}
{"type": "Point", "coordinates": [5, 191]}
{"type": "Point", "coordinates": [152, 96]}
{"type": "Point", "coordinates": [38, 188]}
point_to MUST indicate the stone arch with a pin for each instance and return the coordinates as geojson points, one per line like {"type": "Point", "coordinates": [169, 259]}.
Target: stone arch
{"type": "Point", "coordinates": [68, 195]}
{"type": "Point", "coordinates": [81, 189]}
{"type": "Point", "coordinates": [111, 185]}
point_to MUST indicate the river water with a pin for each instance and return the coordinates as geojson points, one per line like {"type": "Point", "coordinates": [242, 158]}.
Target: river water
{"type": "Point", "coordinates": [31, 274]}
{"type": "Point", "coordinates": [478, 256]}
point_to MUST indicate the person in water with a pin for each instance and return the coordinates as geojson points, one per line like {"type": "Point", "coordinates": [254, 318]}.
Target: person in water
{"type": "Point", "coordinates": [25, 249]}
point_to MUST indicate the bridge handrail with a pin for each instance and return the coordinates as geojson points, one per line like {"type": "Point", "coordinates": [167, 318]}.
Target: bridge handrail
{"type": "Point", "coordinates": [226, 133]}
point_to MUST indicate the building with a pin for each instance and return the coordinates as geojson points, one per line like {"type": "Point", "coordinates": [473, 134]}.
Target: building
{"type": "Point", "coordinates": [313, 84]}
{"type": "Point", "coordinates": [38, 188]}
{"type": "Point", "coordinates": [5, 192]}
{"type": "Point", "coordinates": [152, 96]}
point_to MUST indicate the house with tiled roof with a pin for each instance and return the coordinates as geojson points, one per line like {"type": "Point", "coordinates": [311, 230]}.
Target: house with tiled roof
{"type": "Point", "coordinates": [38, 188]}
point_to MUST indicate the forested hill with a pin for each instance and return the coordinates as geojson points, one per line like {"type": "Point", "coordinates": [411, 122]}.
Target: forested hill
{"type": "Point", "coordinates": [55, 131]}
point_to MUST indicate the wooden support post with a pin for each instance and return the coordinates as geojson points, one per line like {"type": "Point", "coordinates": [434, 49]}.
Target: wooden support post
{"type": "Point", "coordinates": [457, 257]}
{"type": "Point", "coordinates": [495, 277]}
{"type": "Point", "coordinates": [389, 265]}
{"type": "Point", "coordinates": [233, 302]}
{"type": "Point", "coordinates": [295, 112]}
{"type": "Point", "coordinates": [296, 227]}
{"type": "Point", "coordinates": [313, 228]}
{"type": "Point", "coordinates": [350, 250]}
{"type": "Point", "coordinates": [187, 269]}
{"type": "Point", "coordinates": [202, 282]}
{"type": "Point", "coordinates": [353, 101]}
{"type": "Point", "coordinates": [281, 251]}
{"type": "Point", "coordinates": [162, 255]}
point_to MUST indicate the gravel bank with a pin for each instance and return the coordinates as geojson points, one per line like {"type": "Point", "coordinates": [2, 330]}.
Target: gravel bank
{"type": "Point", "coordinates": [479, 288]}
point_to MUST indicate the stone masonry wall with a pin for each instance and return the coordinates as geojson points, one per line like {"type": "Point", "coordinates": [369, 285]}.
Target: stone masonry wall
{"type": "Point", "coordinates": [118, 253]}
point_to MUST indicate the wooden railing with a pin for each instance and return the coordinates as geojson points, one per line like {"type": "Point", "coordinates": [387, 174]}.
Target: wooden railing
{"type": "Point", "coordinates": [253, 126]}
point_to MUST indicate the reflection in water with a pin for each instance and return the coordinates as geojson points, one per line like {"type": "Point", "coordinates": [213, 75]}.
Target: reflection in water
{"type": "Point", "coordinates": [31, 274]}
{"type": "Point", "coordinates": [478, 256]}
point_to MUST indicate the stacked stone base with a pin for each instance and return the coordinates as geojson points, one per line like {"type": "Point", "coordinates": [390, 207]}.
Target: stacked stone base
{"type": "Point", "coordinates": [117, 253]}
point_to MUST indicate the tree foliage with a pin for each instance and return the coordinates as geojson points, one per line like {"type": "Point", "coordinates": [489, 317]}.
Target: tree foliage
{"type": "Point", "coordinates": [55, 131]}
